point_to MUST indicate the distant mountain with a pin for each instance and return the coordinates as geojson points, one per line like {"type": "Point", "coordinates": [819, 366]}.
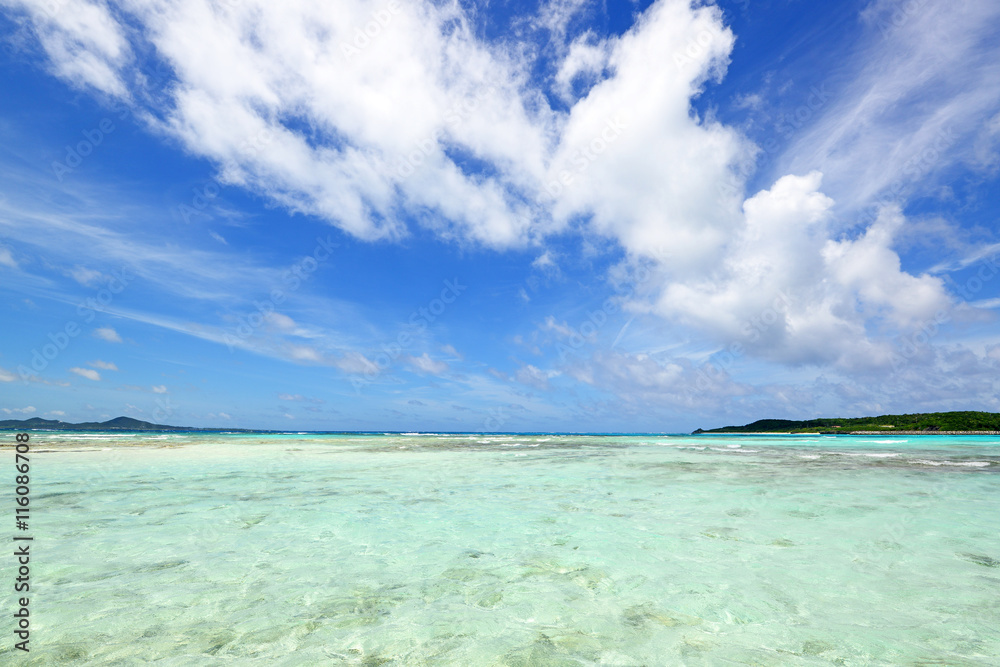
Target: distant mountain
{"type": "Point", "coordinates": [928, 422]}
{"type": "Point", "coordinates": [116, 424]}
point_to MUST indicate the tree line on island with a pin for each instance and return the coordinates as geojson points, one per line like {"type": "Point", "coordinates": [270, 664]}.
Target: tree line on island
{"type": "Point", "coordinates": [925, 422]}
{"type": "Point", "coordinates": [116, 424]}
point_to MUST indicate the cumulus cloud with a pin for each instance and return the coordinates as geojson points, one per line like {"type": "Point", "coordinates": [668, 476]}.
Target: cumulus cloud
{"type": "Point", "coordinates": [785, 291]}
{"type": "Point", "coordinates": [632, 156]}
{"type": "Point", "coordinates": [159, 389]}
{"type": "Point", "coordinates": [870, 268]}
{"type": "Point", "coordinates": [88, 373]}
{"type": "Point", "coordinates": [6, 376]}
{"type": "Point", "coordinates": [108, 334]}
{"type": "Point", "coordinates": [103, 365]}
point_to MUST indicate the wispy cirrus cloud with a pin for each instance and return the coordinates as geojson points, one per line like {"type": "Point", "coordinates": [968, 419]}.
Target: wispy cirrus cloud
{"type": "Point", "coordinates": [925, 80]}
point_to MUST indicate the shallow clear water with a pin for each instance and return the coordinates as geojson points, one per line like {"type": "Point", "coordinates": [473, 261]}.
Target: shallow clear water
{"type": "Point", "coordinates": [513, 550]}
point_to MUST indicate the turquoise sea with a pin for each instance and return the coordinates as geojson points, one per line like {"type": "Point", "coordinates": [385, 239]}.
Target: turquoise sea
{"type": "Point", "coordinates": [312, 549]}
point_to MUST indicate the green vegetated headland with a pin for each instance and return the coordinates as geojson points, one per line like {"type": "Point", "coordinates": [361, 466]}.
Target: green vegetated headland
{"type": "Point", "coordinates": [929, 422]}
{"type": "Point", "coordinates": [116, 424]}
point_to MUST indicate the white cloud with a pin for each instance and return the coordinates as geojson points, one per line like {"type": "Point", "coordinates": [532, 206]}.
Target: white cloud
{"type": "Point", "coordinates": [103, 365]}
{"type": "Point", "coordinates": [784, 291]}
{"type": "Point", "coordinates": [86, 277]}
{"type": "Point", "coordinates": [643, 378]}
{"type": "Point", "coordinates": [6, 376]}
{"type": "Point", "coordinates": [425, 364]}
{"type": "Point", "coordinates": [632, 156]}
{"type": "Point", "coordinates": [84, 42]}
{"type": "Point", "coordinates": [870, 268]}
{"type": "Point", "coordinates": [986, 303]}
{"type": "Point", "coordinates": [334, 351]}
{"type": "Point", "coordinates": [19, 411]}
{"type": "Point", "coordinates": [299, 398]}
{"type": "Point", "coordinates": [56, 413]}
{"type": "Point", "coordinates": [587, 57]}
{"type": "Point", "coordinates": [304, 353]}
{"type": "Point", "coordinates": [373, 110]}
{"type": "Point", "coordinates": [159, 389]}
{"type": "Point", "coordinates": [534, 376]}
{"type": "Point", "coordinates": [7, 258]}
{"type": "Point", "coordinates": [355, 363]}
{"type": "Point", "coordinates": [555, 15]}
{"type": "Point", "coordinates": [545, 262]}
{"type": "Point", "coordinates": [281, 321]}
{"type": "Point", "coordinates": [218, 237]}
{"type": "Point", "coordinates": [108, 334]}
{"type": "Point", "coordinates": [562, 329]}
{"type": "Point", "coordinates": [88, 373]}
{"type": "Point", "coordinates": [223, 415]}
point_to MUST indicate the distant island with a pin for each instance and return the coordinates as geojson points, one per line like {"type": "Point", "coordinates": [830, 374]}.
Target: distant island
{"type": "Point", "coordinates": [116, 424]}
{"type": "Point", "coordinates": [944, 423]}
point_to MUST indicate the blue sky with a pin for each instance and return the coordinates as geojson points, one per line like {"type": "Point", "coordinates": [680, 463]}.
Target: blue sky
{"type": "Point", "coordinates": [559, 216]}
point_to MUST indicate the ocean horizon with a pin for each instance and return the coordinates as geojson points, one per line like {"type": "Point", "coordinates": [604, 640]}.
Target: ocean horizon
{"type": "Point", "coordinates": [513, 549]}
